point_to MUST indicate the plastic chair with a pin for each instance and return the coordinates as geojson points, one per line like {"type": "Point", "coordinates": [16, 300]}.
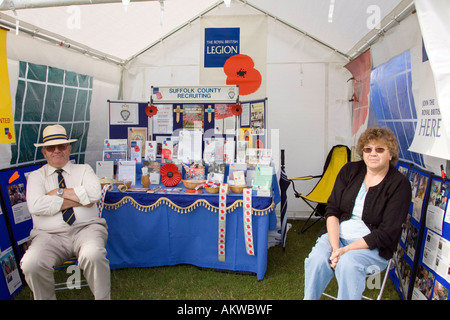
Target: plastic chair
{"type": "Point", "coordinates": [390, 265]}
{"type": "Point", "coordinates": [338, 156]}
{"type": "Point", "coordinates": [66, 264]}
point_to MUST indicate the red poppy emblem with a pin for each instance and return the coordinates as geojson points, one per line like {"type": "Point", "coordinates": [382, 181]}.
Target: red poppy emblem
{"type": "Point", "coordinates": [150, 111]}
{"type": "Point", "coordinates": [236, 109]}
{"type": "Point", "coordinates": [240, 70]}
{"type": "Point", "coordinates": [170, 176]}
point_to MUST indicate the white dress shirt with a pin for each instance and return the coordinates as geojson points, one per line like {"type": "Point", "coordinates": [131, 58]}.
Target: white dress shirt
{"type": "Point", "coordinates": [46, 210]}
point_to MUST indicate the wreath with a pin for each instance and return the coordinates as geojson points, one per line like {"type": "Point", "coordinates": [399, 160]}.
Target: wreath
{"type": "Point", "coordinates": [170, 176]}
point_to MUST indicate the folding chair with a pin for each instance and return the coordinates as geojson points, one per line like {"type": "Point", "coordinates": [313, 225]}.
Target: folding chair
{"type": "Point", "coordinates": [73, 260]}
{"type": "Point", "coordinates": [390, 265]}
{"type": "Point", "coordinates": [63, 285]}
{"type": "Point", "coordinates": [337, 157]}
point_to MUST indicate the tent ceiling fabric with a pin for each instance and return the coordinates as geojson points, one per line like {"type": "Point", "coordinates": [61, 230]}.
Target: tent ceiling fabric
{"type": "Point", "coordinates": [121, 32]}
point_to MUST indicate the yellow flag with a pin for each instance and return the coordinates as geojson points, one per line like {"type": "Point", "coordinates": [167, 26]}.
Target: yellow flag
{"type": "Point", "coordinates": [6, 116]}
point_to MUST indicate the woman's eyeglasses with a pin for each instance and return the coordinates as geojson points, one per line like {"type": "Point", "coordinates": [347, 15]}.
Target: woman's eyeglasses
{"type": "Point", "coordinates": [61, 147]}
{"type": "Point", "coordinates": [377, 149]}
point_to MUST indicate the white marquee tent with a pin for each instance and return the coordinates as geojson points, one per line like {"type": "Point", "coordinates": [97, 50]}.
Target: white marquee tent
{"type": "Point", "coordinates": [127, 48]}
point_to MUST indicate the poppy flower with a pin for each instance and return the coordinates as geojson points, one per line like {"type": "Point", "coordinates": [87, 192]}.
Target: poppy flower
{"type": "Point", "coordinates": [170, 176]}
{"type": "Point", "coordinates": [236, 109]}
{"type": "Point", "coordinates": [240, 70]}
{"type": "Point", "coordinates": [150, 111]}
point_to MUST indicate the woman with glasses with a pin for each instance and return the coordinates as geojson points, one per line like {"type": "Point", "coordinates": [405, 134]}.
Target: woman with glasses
{"type": "Point", "coordinates": [364, 217]}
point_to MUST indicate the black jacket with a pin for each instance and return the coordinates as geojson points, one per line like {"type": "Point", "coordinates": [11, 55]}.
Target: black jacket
{"type": "Point", "coordinates": [385, 208]}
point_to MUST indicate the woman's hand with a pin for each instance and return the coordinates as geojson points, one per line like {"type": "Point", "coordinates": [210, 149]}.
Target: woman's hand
{"type": "Point", "coordinates": [337, 253]}
{"type": "Point", "coordinates": [335, 256]}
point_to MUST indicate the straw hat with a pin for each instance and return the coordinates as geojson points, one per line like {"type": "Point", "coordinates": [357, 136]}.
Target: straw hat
{"type": "Point", "coordinates": [54, 135]}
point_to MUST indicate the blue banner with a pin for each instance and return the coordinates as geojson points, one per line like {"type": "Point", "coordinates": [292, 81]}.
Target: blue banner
{"type": "Point", "coordinates": [393, 103]}
{"type": "Point", "coordinates": [220, 44]}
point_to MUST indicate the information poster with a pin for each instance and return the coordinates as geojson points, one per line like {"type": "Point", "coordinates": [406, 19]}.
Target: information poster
{"type": "Point", "coordinates": [13, 190]}
{"type": "Point", "coordinates": [9, 280]}
{"type": "Point", "coordinates": [10, 270]}
{"type": "Point", "coordinates": [163, 119]}
{"type": "Point", "coordinates": [193, 117]}
{"type": "Point", "coordinates": [432, 280]}
{"type": "Point", "coordinates": [15, 224]}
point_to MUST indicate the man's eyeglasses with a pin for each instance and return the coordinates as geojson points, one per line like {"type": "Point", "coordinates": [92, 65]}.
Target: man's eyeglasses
{"type": "Point", "coordinates": [377, 150]}
{"type": "Point", "coordinates": [60, 147]}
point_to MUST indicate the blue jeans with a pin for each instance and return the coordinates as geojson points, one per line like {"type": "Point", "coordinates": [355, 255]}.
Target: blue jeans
{"type": "Point", "coordinates": [351, 270]}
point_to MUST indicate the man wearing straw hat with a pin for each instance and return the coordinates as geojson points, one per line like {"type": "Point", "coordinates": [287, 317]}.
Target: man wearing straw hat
{"type": "Point", "coordinates": [65, 217]}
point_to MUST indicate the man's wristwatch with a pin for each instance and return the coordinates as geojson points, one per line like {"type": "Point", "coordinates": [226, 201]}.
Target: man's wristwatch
{"type": "Point", "coordinates": [60, 192]}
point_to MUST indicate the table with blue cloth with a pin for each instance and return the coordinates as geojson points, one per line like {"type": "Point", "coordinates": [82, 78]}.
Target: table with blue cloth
{"type": "Point", "coordinates": [162, 229]}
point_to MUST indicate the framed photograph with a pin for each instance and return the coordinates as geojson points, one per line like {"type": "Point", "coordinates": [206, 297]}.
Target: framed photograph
{"type": "Point", "coordinates": [121, 113]}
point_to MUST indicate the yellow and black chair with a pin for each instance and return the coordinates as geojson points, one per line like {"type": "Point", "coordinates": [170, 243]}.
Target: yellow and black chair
{"type": "Point", "coordinates": [318, 197]}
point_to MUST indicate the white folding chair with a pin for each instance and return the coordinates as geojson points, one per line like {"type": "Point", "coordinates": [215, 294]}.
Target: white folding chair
{"type": "Point", "coordinates": [63, 285]}
{"type": "Point", "coordinates": [383, 284]}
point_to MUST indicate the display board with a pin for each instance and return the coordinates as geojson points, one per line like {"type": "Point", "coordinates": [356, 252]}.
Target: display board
{"type": "Point", "coordinates": [214, 112]}
{"type": "Point", "coordinates": [409, 248]}
{"type": "Point", "coordinates": [17, 221]}
{"type": "Point", "coordinates": [210, 110]}
{"type": "Point", "coordinates": [403, 167]}
{"type": "Point", "coordinates": [10, 281]}
{"type": "Point", "coordinates": [432, 280]}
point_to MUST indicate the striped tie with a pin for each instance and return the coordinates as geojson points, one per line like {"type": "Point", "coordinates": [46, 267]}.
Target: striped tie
{"type": "Point", "coordinates": [68, 214]}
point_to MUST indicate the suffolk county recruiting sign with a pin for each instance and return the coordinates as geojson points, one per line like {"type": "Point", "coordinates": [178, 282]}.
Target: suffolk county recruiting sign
{"type": "Point", "coordinates": [202, 94]}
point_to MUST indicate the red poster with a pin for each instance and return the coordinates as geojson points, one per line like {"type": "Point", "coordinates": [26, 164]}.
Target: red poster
{"type": "Point", "coordinates": [360, 68]}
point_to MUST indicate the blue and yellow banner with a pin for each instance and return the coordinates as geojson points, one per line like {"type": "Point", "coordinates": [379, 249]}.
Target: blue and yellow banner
{"type": "Point", "coordinates": [6, 115]}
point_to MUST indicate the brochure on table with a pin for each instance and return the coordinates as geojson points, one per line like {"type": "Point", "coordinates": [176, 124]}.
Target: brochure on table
{"type": "Point", "coordinates": [185, 125]}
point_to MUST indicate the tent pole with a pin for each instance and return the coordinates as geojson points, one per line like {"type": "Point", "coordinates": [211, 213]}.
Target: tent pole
{"type": "Point", "coordinates": [296, 29]}
{"type": "Point", "coordinates": [174, 31]}
{"type": "Point", "coordinates": [220, 2]}
{"type": "Point", "coordinates": [34, 32]}
{"type": "Point", "coordinates": [29, 4]}
{"type": "Point", "coordinates": [375, 34]}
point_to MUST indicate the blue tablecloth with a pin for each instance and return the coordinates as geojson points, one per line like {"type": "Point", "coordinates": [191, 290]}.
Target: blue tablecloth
{"type": "Point", "coordinates": [147, 230]}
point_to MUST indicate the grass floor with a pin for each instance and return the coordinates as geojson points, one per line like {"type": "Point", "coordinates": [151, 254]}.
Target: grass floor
{"type": "Point", "coordinates": [283, 280]}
